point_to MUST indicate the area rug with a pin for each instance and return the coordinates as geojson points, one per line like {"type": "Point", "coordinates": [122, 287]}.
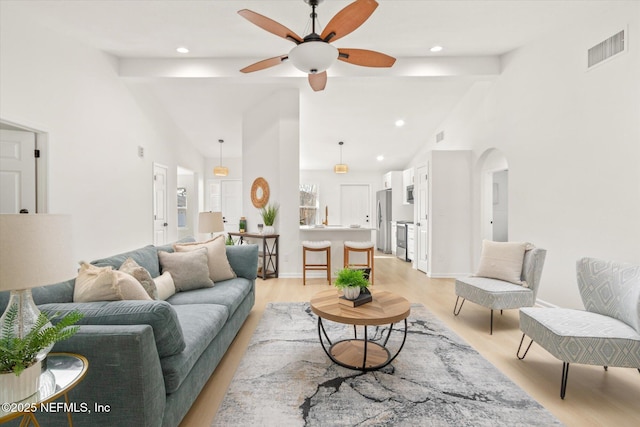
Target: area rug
{"type": "Point", "coordinates": [286, 379]}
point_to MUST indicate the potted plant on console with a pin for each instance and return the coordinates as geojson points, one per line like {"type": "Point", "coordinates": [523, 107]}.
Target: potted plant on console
{"type": "Point", "coordinates": [20, 357]}
{"type": "Point", "coordinates": [269, 214]}
{"type": "Point", "coordinates": [351, 283]}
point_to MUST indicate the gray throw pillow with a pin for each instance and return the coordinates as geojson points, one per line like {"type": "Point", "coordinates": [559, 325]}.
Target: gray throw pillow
{"type": "Point", "coordinates": [141, 275]}
{"type": "Point", "coordinates": [189, 270]}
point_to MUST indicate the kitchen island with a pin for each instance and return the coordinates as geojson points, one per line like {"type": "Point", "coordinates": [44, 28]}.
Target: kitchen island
{"type": "Point", "coordinates": [337, 235]}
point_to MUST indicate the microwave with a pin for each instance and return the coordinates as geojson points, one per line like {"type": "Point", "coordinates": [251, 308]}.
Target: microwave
{"type": "Point", "coordinates": [409, 193]}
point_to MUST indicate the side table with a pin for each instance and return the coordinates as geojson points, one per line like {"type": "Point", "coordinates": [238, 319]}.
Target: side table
{"type": "Point", "coordinates": [269, 252]}
{"type": "Point", "coordinates": [64, 371]}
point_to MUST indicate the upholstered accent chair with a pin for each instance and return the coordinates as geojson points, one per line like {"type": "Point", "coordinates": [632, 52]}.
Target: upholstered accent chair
{"type": "Point", "coordinates": [497, 294]}
{"type": "Point", "coordinates": [606, 334]}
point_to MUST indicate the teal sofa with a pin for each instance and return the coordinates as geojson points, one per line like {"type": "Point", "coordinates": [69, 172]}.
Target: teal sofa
{"type": "Point", "coordinates": [148, 360]}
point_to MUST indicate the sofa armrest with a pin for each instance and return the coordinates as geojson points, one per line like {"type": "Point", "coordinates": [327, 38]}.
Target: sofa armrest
{"type": "Point", "coordinates": [244, 260]}
{"type": "Point", "coordinates": [157, 314]}
{"type": "Point", "coordinates": [124, 373]}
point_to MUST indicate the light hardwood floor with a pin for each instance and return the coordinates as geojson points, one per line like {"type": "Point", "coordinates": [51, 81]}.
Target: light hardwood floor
{"type": "Point", "coordinates": [594, 397]}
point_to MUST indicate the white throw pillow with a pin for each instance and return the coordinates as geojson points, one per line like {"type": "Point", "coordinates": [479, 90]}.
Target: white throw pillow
{"type": "Point", "coordinates": [106, 284]}
{"type": "Point", "coordinates": [502, 261]}
{"type": "Point", "coordinates": [219, 267]}
{"type": "Point", "coordinates": [164, 284]}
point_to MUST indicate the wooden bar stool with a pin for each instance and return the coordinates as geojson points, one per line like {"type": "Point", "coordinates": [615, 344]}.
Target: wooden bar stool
{"type": "Point", "coordinates": [366, 247]}
{"type": "Point", "coordinates": [316, 246]}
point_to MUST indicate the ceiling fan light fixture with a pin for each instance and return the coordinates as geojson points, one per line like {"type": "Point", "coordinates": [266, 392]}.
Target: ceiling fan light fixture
{"type": "Point", "coordinates": [313, 57]}
{"type": "Point", "coordinates": [221, 170]}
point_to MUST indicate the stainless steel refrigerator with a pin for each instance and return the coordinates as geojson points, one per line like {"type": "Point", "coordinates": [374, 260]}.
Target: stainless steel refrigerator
{"type": "Point", "coordinates": [383, 221]}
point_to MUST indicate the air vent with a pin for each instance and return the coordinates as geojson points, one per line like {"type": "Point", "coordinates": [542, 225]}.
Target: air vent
{"type": "Point", "coordinates": [439, 136]}
{"type": "Point", "coordinates": [606, 49]}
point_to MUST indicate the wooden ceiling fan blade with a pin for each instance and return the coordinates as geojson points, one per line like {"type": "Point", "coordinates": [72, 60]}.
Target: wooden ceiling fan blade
{"type": "Point", "coordinates": [270, 25]}
{"type": "Point", "coordinates": [318, 81]}
{"type": "Point", "coordinates": [265, 63]}
{"type": "Point", "coordinates": [348, 19]}
{"type": "Point", "coordinates": [365, 58]}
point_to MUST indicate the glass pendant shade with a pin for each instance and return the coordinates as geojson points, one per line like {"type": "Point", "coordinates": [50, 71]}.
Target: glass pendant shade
{"type": "Point", "coordinates": [221, 170]}
{"type": "Point", "coordinates": [314, 56]}
{"type": "Point", "coordinates": [341, 168]}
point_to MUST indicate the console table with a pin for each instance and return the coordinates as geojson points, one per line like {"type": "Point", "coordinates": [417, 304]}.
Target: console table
{"type": "Point", "coordinates": [269, 252]}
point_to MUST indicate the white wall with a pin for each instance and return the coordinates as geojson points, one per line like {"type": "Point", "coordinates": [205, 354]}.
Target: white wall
{"type": "Point", "coordinates": [95, 123]}
{"type": "Point", "coordinates": [572, 141]}
{"type": "Point", "coordinates": [270, 147]}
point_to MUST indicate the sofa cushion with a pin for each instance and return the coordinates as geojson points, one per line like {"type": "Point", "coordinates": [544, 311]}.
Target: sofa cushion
{"type": "Point", "coordinates": [146, 257]}
{"type": "Point", "coordinates": [502, 261]}
{"type": "Point", "coordinates": [200, 324]}
{"type": "Point", "coordinates": [141, 275]}
{"type": "Point", "coordinates": [105, 284]}
{"type": "Point", "coordinates": [189, 270]}
{"type": "Point", "coordinates": [160, 315]}
{"type": "Point", "coordinates": [219, 268]}
{"type": "Point", "coordinates": [229, 293]}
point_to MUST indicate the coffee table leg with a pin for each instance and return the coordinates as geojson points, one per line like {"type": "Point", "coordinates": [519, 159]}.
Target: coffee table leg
{"type": "Point", "coordinates": [364, 358]}
{"type": "Point", "coordinates": [320, 332]}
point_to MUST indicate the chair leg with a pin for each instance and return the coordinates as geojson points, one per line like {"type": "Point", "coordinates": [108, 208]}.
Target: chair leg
{"type": "Point", "coordinates": [520, 346]}
{"type": "Point", "coordinates": [304, 267]}
{"type": "Point", "coordinates": [456, 306]}
{"type": "Point", "coordinates": [491, 328]}
{"type": "Point", "coordinates": [606, 368]}
{"type": "Point", "coordinates": [565, 376]}
{"type": "Point", "coordinates": [329, 266]}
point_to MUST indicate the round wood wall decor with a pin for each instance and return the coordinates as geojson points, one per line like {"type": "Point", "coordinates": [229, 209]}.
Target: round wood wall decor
{"type": "Point", "coordinates": [259, 192]}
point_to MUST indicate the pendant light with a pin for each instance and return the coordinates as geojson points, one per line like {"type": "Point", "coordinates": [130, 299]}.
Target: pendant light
{"type": "Point", "coordinates": [221, 170]}
{"type": "Point", "coordinates": [341, 167]}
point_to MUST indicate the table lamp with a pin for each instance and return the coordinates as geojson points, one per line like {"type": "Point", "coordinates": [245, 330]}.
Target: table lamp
{"type": "Point", "coordinates": [210, 222]}
{"type": "Point", "coordinates": [35, 250]}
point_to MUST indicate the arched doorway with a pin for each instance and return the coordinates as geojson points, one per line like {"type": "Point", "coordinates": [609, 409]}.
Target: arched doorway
{"type": "Point", "coordinates": [494, 195]}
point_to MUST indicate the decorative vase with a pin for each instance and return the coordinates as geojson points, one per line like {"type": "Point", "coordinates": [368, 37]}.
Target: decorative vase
{"type": "Point", "coordinates": [14, 388]}
{"type": "Point", "coordinates": [268, 229]}
{"type": "Point", "coordinates": [351, 292]}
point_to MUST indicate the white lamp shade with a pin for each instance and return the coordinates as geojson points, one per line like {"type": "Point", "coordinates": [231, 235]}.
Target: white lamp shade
{"type": "Point", "coordinates": [313, 57]}
{"type": "Point", "coordinates": [35, 250]}
{"type": "Point", "coordinates": [210, 222]}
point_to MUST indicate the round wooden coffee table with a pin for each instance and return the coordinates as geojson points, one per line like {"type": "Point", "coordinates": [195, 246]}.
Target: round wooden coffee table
{"type": "Point", "coordinates": [361, 354]}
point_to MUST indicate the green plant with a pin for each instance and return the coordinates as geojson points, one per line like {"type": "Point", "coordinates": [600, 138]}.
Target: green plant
{"type": "Point", "coordinates": [269, 213]}
{"type": "Point", "coordinates": [229, 241]}
{"type": "Point", "coordinates": [17, 354]}
{"type": "Point", "coordinates": [348, 278]}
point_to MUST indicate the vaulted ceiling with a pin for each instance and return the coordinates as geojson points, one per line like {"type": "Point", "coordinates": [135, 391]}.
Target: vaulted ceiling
{"type": "Point", "coordinates": [359, 105]}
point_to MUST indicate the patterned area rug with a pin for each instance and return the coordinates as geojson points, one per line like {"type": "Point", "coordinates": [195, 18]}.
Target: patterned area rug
{"type": "Point", "coordinates": [286, 379]}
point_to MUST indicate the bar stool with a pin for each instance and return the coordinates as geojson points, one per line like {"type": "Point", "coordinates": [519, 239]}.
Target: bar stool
{"type": "Point", "coordinates": [366, 247]}
{"type": "Point", "coordinates": [316, 246]}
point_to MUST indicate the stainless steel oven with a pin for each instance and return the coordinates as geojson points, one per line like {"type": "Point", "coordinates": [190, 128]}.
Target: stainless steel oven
{"type": "Point", "coordinates": [401, 240]}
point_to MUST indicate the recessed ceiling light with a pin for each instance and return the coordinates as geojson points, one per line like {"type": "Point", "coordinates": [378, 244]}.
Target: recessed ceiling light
{"type": "Point", "coordinates": [182, 50]}
{"type": "Point", "coordinates": [380, 158]}
{"type": "Point", "coordinates": [436, 49]}
{"type": "Point", "coordinates": [399, 123]}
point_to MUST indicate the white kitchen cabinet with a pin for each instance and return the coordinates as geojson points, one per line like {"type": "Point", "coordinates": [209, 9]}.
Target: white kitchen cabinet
{"type": "Point", "coordinates": [411, 241]}
{"type": "Point", "coordinates": [394, 236]}
{"type": "Point", "coordinates": [387, 180]}
{"type": "Point", "coordinates": [399, 211]}
{"type": "Point", "coordinates": [408, 176]}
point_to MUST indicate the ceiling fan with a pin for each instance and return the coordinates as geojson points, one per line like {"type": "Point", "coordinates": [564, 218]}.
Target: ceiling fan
{"type": "Point", "coordinates": [313, 54]}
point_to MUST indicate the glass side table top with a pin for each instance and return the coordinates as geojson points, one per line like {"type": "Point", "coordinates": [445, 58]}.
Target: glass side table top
{"type": "Point", "coordinates": [63, 372]}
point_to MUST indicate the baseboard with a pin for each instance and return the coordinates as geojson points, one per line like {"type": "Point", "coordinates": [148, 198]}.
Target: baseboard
{"type": "Point", "coordinates": [447, 275]}
{"type": "Point", "coordinates": [545, 304]}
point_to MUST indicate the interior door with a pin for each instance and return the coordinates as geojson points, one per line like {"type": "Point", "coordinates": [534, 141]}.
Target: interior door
{"type": "Point", "coordinates": [17, 171]}
{"type": "Point", "coordinates": [421, 196]}
{"type": "Point", "coordinates": [231, 198]}
{"type": "Point", "coordinates": [355, 205]}
{"type": "Point", "coordinates": [160, 211]}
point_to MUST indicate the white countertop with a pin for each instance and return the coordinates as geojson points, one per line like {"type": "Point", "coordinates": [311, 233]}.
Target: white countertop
{"type": "Point", "coordinates": [333, 228]}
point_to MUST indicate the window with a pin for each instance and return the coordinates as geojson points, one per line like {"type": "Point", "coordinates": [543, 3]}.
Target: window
{"type": "Point", "coordinates": [309, 204]}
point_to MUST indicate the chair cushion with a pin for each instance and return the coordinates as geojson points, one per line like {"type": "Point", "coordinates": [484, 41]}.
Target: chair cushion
{"type": "Point", "coordinates": [494, 294]}
{"type": "Point", "coordinates": [358, 245]}
{"type": "Point", "coordinates": [316, 244]}
{"type": "Point", "coordinates": [578, 336]}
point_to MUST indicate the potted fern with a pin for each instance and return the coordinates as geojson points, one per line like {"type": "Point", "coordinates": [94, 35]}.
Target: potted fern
{"type": "Point", "coordinates": [269, 214]}
{"type": "Point", "coordinates": [19, 364]}
{"type": "Point", "coordinates": [350, 282]}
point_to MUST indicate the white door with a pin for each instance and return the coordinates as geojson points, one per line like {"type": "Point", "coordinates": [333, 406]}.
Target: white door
{"type": "Point", "coordinates": [355, 205]}
{"type": "Point", "coordinates": [160, 221]}
{"type": "Point", "coordinates": [500, 199]}
{"type": "Point", "coordinates": [17, 171]}
{"type": "Point", "coordinates": [231, 197]}
{"type": "Point", "coordinates": [421, 196]}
